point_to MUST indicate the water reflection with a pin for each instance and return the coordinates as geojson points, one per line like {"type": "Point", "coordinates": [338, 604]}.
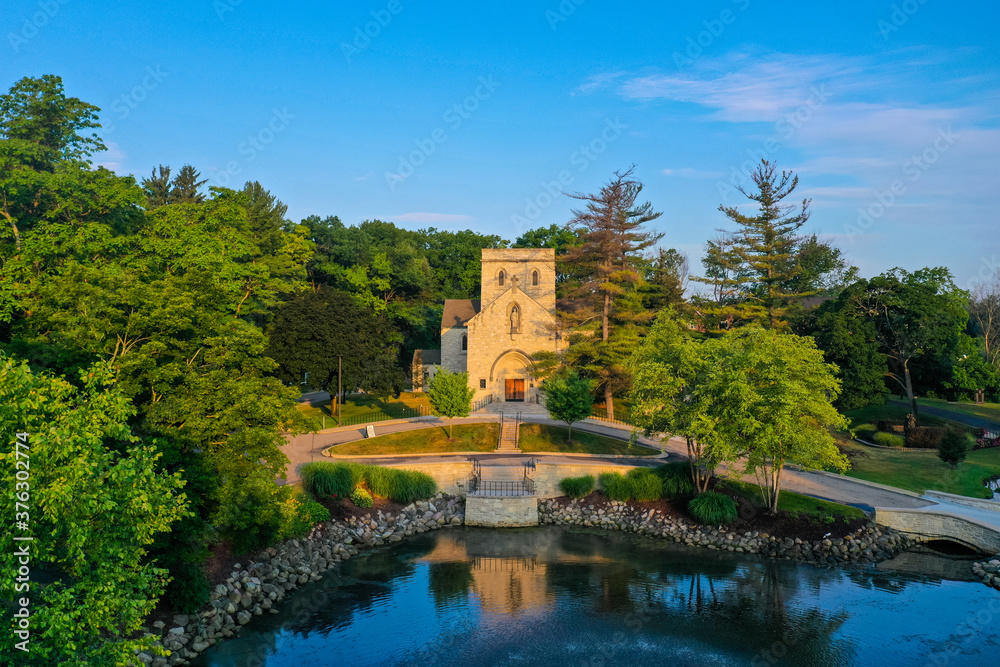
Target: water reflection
{"type": "Point", "coordinates": [552, 596]}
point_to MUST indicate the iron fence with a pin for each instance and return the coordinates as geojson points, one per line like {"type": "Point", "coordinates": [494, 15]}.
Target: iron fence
{"type": "Point", "coordinates": [603, 416]}
{"type": "Point", "coordinates": [482, 403]}
{"type": "Point", "coordinates": [385, 415]}
{"type": "Point", "coordinates": [521, 487]}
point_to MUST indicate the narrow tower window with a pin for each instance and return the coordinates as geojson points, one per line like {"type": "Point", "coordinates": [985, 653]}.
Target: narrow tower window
{"type": "Point", "coordinates": [465, 342]}
{"type": "Point", "coordinates": [534, 278]}
{"type": "Point", "coordinates": [500, 278]}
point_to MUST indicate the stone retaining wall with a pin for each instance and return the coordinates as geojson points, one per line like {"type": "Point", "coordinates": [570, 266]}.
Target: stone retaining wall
{"type": "Point", "coordinates": [262, 585]}
{"type": "Point", "coordinates": [501, 511]}
{"type": "Point", "coordinates": [870, 544]}
{"type": "Point", "coordinates": [923, 525]}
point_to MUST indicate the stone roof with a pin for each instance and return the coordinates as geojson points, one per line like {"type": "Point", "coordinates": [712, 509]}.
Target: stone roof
{"type": "Point", "coordinates": [427, 357]}
{"type": "Point", "coordinates": [459, 311]}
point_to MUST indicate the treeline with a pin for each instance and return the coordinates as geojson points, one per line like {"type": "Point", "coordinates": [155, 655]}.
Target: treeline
{"type": "Point", "coordinates": [154, 335]}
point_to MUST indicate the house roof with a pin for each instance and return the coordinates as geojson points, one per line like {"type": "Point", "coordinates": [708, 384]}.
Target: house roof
{"type": "Point", "coordinates": [459, 311]}
{"type": "Point", "coordinates": [427, 357]}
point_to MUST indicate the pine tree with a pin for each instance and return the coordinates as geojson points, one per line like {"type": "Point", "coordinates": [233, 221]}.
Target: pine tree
{"type": "Point", "coordinates": [184, 188]}
{"type": "Point", "coordinates": [754, 269]}
{"type": "Point", "coordinates": [954, 446]}
{"type": "Point", "coordinates": [609, 260]}
{"type": "Point", "coordinates": [157, 187]}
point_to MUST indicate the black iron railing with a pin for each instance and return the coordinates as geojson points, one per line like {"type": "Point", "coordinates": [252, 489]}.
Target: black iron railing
{"type": "Point", "coordinates": [395, 413]}
{"type": "Point", "coordinates": [482, 403]}
{"type": "Point", "coordinates": [523, 487]}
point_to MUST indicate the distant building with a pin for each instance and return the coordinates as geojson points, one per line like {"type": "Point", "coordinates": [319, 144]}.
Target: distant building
{"type": "Point", "coordinates": [493, 337]}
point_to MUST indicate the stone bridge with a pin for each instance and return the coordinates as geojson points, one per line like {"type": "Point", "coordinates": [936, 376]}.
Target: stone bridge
{"type": "Point", "coordinates": [926, 524]}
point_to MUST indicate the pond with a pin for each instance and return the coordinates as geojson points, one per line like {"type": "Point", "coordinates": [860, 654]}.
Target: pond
{"type": "Point", "coordinates": [559, 596]}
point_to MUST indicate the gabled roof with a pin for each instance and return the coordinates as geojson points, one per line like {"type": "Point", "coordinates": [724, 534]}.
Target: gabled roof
{"type": "Point", "coordinates": [427, 357]}
{"type": "Point", "coordinates": [459, 311]}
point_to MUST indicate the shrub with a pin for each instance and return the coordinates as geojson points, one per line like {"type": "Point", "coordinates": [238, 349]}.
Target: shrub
{"type": "Point", "coordinates": [645, 484]}
{"type": "Point", "coordinates": [410, 485]}
{"type": "Point", "coordinates": [380, 481]}
{"type": "Point", "coordinates": [888, 439]}
{"type": "Point", "coordinates": [577, 487]}
{"type": "Point", "coordinates": [325, 478]}
{"type": "Point", "coordinates": [676, 478]}
{"type": "Point", "coordinates": [299, 517]}
{"type": "Point", "coordinates": [362, 498]}
{"type": "Point", "coordinates": [711, 508]}
{"type": "Point", "coordinates": [954, 446]}
{"type": "Point", "coordinates": [615, 486]}
{"type": "Point", "coordinates": [924, 437]}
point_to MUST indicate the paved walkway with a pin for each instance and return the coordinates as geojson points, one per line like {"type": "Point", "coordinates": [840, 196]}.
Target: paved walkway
{"type": "Point", "coordinates": [968, 420]}
{"type": "Point", "coordinates": [836, 488]}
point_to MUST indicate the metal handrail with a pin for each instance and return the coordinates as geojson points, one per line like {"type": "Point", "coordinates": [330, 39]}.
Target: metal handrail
{"type": "Point", "coordinates": [525, 487]}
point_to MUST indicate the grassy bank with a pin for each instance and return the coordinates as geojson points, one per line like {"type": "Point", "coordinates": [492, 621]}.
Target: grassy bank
{"type": "Point", "coordinates": [990, 411]}
{"type": "Point", "coordinates": [922, 470]}
{"type": "Point", "coordinates": [545, 438]}
{"type": "Point", "coordinates": [795, 503]}
{"type": "Point", "coordinates": [468, 438]}
{"type": "Point", "coordinates": [358, 405]}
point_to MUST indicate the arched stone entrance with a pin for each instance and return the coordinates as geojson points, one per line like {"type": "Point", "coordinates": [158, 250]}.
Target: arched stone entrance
{"type": "Point", "coordinates": [510, 378]}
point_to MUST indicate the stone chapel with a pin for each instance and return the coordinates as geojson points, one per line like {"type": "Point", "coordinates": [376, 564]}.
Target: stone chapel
{"type": "Point", "coordinates": [493, 337]}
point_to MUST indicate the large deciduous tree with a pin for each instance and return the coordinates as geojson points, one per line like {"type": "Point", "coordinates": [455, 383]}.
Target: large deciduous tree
{"type": "Point", "coordinates": [312, 331]}
{"type": "Point", "coordinates": [770, 396]}
{"type": "Point", "coordinates": [94, 503]}
{"type": "Point", "coordinates": [609, 261]}
{"type": "Point", "coordinates": [669, 370]}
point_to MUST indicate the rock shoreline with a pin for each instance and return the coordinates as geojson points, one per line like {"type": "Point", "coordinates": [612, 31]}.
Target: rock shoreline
{"type": "Point", "coordinates": [260, 587]}
{"type": "Point", "coordinates": [989, 571]}
{"type": "Point", "coordinates": [869, 544]}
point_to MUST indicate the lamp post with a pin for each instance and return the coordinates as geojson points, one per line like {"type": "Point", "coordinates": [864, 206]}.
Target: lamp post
{"type": "Point", "coordinates": [340, 390]}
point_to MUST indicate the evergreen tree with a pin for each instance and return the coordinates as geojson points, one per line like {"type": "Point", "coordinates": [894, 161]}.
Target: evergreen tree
{"type": "Point", "coordinates": [184, 187]}
{"type": "Point", "coordinates": [610, 262]}
{"type": "Point", "coordinates": [761, 265]}
{"type": "Point", "coordinates": [157, 187]}
{"type": "Point", "coordinates": [954, 446]}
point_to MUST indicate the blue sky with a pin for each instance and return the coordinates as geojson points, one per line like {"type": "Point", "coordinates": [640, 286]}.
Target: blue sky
{"type": "Point", "coordinates": [457, 115]}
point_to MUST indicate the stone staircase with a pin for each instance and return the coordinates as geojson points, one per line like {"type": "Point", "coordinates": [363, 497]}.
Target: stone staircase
{"type": "Point", "coordinates": [508, 438]}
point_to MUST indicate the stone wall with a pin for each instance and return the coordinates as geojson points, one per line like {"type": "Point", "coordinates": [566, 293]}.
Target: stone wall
{"type": "Point", "coordinates": [501, 511]}
{"type": "Point", "coordinates": [450, 477]}
{"type": "Point", "coordinates": [520, 263]}
{"type": "Point", "coordinates": [923, 526]}
{"type": "Point", "coordinates": [453, 357]}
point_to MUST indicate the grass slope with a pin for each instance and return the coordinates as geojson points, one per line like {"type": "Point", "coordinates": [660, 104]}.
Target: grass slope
{"type": "Point", "coordinates": [922, 470]}
{"type": "Point", "coordinates": [794, 503]}
{"type": "Point", "coordinates": [468, 438]}
{"type": "Point", "coordinates": [363, 404]}
{"type": "Point", "coordinates": [545, 438]}
{"type": "Point", "coordinates": [990, 411]}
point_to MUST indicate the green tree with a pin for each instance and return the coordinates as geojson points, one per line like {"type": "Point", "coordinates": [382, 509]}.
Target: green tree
{"type": "Point", "coordinates": [954, 446]}
{"type": "Point", "coordinates": [669, 371]}
{"type": "Point", "coordinates": [568, 398]}
{"type": "Point", "coordinates": [770, 401]}
{"type": "Point", "coordinates": [184, 188]}
{"type": "Point", "coordinates": [95, 502]}
{"type": "Point", "coordinates": [763, 268]}
{"type": "Point", "coordinates": [665, 280]}
{"type": "Point", "coordinates": [917, 317]}
{"type": "Point", "coordinates": [310, 332]}
{"type": "Point", "coordinates": [450, 395]}
{"type": "Point", "coordinates": [609, 256]}
{"type": "Point", "coordinates": [849, 339]}
{"type": "Point", "coordinates": [157, 187]}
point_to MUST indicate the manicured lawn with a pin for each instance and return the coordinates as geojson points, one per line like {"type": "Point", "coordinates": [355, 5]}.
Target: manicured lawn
{"type": "Point", "coordinates": [468, 438]}
{"type": "Point", "coordinates": [796, 503]}
{"type": "Point", "coordinates": [863, 419]}
{"type": "Point", "coordinates": [922, 470]}
{"type": "Point", "coordinates": [545, 438]}
{"type": "Point", "coordinates": [990, 411]}
{"type": "Point", "coordinates": [364, 404]}
{"type": "Point", "coordinates": [483, 438]}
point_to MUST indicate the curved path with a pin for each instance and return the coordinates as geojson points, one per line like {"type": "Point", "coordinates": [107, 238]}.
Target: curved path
{"type": "Point", "coordinates": [968, 420]}
{"type": "Point", "coordinates": [309, 447]}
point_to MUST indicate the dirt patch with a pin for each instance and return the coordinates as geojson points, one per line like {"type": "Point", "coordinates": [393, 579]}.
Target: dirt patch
{"type": "Point", "coordinates": [343, 509]}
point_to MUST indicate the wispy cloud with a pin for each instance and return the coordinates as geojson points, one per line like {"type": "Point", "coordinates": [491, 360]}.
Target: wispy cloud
{"type": "Point", "coordinates": [598, 82]}
{"type": "Point", "coordinates": [434, 218]}
{"type": "Point", "coordinates": [111, 158]}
